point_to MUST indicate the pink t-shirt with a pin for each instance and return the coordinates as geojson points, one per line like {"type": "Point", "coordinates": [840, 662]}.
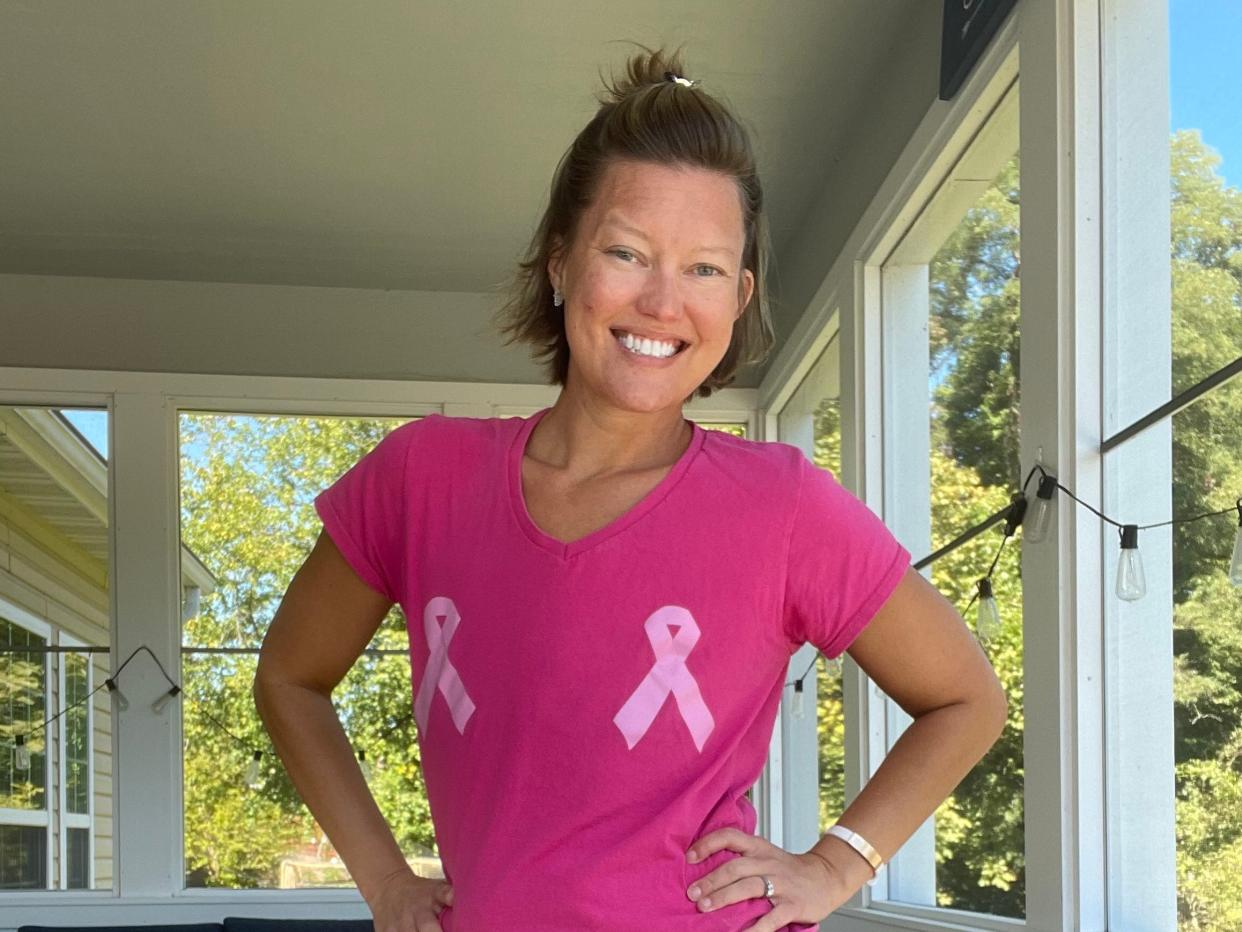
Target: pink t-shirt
{"type": "Point", "coordinates": [587, 710]}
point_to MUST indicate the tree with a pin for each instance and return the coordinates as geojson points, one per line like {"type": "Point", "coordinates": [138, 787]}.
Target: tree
{"type": "Point", "coordinates": [247, 514]}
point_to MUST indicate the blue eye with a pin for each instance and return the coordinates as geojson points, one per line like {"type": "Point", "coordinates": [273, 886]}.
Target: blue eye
{"type": "Point", "coordinates": [625, 252]}
{"type": "Point", "coordinates": [715, 271]}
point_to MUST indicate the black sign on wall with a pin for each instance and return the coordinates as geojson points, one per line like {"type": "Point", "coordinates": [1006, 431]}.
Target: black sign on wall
{"type": "Point", "coordinates": [968, 27]}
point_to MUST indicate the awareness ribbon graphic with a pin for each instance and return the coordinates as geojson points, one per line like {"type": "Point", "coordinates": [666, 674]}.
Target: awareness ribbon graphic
{"type": "Point", "coordinates": [440, 673]}
{"type": "Point", "coordinates": [668, 674]}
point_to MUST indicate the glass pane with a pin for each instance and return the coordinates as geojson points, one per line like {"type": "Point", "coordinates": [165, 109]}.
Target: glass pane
{"type": "Point", "coordinates": [54, 553]}
{"type": "Point", "coordinates": [23, 708]}
{"type": "Point", "coordinates": [78, 858]}
{"type": "Point", "coordinates": [1206, 321]}
{"type": "Point", "coordinates": [77, 736]}
{"type": "Point", "coordinates": [23, 857]}
{"type": "Point", "coordinates": [973, 327]}
{"type": "Point", "coordinates": [247, 524]}
{"type": "Point", "coordinates": [737, 430]}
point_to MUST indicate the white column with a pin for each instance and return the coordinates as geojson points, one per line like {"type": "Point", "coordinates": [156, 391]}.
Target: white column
{"type": "Point", "coordinates": [1138, 475]}
{"type": "Point", "coordinates": [145, 606]}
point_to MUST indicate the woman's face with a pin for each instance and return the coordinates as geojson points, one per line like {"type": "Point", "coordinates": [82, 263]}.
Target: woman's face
{"type": "Point", "coordinates": [657, 255]}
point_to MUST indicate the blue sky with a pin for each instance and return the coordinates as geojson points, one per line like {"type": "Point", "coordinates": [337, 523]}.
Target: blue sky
{"type": "Point", "coordinates": [1206, 76]}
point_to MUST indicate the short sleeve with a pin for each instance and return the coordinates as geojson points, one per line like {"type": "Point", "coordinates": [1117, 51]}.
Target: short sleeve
{"type": "Point", "coordinates": [364, 512]}
{"type": "Point", "coordinates": [843, 563]}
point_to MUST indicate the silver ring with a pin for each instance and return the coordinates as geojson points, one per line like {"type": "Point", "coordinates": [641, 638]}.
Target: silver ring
{"type": "Point", "coordinates": [769, 890]}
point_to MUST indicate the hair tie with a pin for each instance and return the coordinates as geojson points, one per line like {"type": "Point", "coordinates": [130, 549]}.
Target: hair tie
{"type": "Point", "coordinates": [678, 79]}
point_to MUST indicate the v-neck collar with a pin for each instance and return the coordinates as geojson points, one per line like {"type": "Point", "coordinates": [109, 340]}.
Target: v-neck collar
{"type": "Point", "coordinates": [567, 549]}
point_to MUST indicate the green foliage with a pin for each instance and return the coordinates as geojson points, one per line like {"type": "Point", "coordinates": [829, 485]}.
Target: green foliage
{"type": "Point", "coordinates": [975, 357]}
{"type": "Point", "coordinates": [1207, 619]}
{"type": "Point", "coordinates": [247, 514]}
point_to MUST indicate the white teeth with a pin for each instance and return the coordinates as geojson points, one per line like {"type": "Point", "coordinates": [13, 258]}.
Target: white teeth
{"type": "Point", "coordinates": [647, 347]}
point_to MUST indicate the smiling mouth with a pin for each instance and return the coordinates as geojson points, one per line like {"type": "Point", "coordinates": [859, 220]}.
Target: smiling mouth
{"type": "Point", "coordinates": [620, 334]}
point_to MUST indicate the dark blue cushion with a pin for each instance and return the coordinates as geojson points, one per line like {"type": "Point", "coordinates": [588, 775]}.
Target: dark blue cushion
{"type": "Point", "coordinates": [232, 924]}
{"type": "Point", "coordinates": [188, 927]}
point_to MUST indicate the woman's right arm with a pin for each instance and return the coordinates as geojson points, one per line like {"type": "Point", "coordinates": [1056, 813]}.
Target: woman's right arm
{"type": "Point", "coordinates": [326, 619]}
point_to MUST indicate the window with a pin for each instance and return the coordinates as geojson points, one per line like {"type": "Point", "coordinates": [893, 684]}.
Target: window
{"type": "Point", "coordinates": [974, 467]}
{"type": "Point", "coordinates": [55, 788]}
{"type": "Point", "coordinates": [951, 315]}
{"type": "Point", "coordinates": [247, 523]}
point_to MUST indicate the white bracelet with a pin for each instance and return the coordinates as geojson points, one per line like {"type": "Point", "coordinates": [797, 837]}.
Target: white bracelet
{"type": "Point", "coordinates": [861, 845]}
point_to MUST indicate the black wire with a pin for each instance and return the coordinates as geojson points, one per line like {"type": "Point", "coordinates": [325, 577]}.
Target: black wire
{"type": "Point", "coordinates": [111, 679]}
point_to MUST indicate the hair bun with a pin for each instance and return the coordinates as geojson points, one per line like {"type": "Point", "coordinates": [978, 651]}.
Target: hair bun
{"type": "Point", "coordinates": [644, 70]}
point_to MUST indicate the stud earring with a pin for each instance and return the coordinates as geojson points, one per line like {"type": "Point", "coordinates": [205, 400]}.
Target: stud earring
{"type": "Point", "coordinates": [557, 298]}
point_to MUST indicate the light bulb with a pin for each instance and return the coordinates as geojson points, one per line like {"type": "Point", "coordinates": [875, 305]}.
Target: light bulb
{"type": "Point", "coordinates": [1036, 529]}
{"type": "Point", "coordinates": [117, 696]}
{"type": "Point", "coordinates": [191, 603]}
{"type": "Point", "coordinates": [161, 703]}
{"type": "Point", "coordinates": [254, 777]}
{"type": "Point", "coordinates": [798, 705]}
{"type": "Point", "coordinates": [987, 619]}
{"type": "Point", "coordinates": [364, 766]}
{"type": "Point", "coordinates": [22, 757]}
{"type": "Point", "coordinates": [1235, 565]}
{"type": "Point", "coordinates": [1131, 583]}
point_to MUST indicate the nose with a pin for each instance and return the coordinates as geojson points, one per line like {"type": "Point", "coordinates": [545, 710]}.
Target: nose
{"type": "Point", "coordinates": [661, 297]}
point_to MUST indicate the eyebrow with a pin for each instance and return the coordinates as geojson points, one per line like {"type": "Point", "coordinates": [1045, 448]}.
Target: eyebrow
{"type": "Point", "coordinates": [627, 228]}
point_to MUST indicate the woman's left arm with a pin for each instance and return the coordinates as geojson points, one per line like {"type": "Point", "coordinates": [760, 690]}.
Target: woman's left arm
{"type": "Point", "coordinates": [918, 650]}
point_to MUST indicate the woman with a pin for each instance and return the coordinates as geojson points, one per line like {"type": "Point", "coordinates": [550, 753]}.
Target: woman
{"type": "Point", "coordinates": [603, 598]}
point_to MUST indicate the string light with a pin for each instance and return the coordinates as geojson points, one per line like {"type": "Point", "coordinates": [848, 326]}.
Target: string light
{"type": "Point", "coordinates": [21, 754]}
{"type": "Point", "coordinates": [1131, 582]}
{"type": "Point", "coordinates": [254, 776]}
{"type": "Point", "coordinates": [987, 619]}
{"type": "Point", "coordinates": [161, 703]}
{"type": "Point", "coordinates": [117, 696]}
{"type": "Point", "coordinates": [1036, 529]}
{"type": "Point", "coordinates": [1235, 565]}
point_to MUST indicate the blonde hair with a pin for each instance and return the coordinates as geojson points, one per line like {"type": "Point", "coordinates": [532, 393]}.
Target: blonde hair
{"type": "Point", "coordinates": [644, 117]}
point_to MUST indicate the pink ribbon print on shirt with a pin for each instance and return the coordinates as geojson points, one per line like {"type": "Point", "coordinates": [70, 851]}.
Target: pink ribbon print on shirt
{"type": "Point", "coordinates": [668, 674]}
{"type": "Point", "coordinates": [440, 674]}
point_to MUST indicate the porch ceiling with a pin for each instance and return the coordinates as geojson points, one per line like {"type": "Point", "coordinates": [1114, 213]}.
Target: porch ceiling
{"type": "Point", "coordinates": [391, 145]}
